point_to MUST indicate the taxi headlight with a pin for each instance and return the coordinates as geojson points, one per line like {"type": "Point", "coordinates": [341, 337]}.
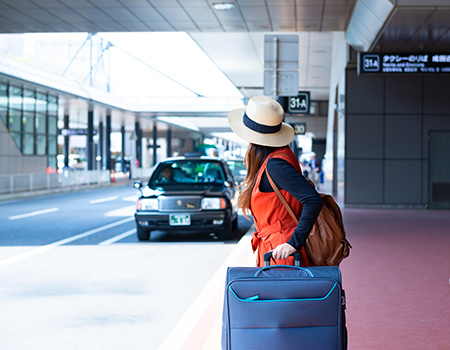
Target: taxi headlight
{"type": "Point", "coordinates": [213, 203]}
{"type": "Point", "coordinates": [147, 204]}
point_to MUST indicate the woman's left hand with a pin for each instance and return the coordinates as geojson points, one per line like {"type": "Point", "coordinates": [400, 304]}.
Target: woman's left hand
{"type": "Point", "coordinates": [283, 251]}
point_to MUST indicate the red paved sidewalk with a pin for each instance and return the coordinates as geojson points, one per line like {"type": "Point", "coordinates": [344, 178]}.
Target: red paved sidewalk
{"type": "Point", "coordinates": [397, 279]}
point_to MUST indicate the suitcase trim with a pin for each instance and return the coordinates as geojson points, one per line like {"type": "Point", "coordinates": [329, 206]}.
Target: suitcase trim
{"type": "Point", "coordinates": [255, 298]}
{"type": "Point", "coordinates": [265, 268]}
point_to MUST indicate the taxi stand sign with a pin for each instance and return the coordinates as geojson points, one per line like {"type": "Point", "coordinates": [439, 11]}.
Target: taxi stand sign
{"type": "Point", "coordinates": [403, 63]}
{"type": "Point", "coordinates": [299, 104]}
{"type": "Point", "coordinates": [76, 132]}
{"type": "Point", "coordinates": [299, 128]}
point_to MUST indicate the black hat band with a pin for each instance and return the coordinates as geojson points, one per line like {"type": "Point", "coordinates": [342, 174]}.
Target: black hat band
{"type": "Point", "coordinates": [263, 129]}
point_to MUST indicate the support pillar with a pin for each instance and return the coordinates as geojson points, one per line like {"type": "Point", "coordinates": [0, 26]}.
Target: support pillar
{"type": "Point", "coordinates": [108, 143]}
{"type": "Point", "coordinates": [155, 144]}
{"type": "Point", "coordinates": [122, 132]}
{"type": "Point", "coordinates": [66, 143]}
{"type": "Point", "coordinates": [138, 145]}
{"type": "Point", "coordinates": [169, 142]}
{"type": "Point", "coordinates": [90, 141]}
{"type": "Point", "coordinates": [100, 145]}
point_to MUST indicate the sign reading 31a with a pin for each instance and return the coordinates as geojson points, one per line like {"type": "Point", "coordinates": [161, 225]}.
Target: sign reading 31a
{"type": "Point", "coordinates": [299, 103]}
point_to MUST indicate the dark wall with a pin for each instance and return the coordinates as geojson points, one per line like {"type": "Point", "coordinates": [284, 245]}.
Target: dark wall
{"type": "Point", "coordinates": [387, 126]}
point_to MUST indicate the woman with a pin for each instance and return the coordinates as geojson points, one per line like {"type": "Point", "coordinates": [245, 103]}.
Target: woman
{"type": "Point", "coordinates": [261, 124]}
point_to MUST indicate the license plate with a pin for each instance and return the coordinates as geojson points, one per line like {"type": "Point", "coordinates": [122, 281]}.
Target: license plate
{"type": "Point", "coordinates": [179, 219]}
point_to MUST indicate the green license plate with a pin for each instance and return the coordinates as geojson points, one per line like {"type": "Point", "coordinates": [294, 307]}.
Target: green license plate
{"type": "Point", "coordinates": [179, 219]}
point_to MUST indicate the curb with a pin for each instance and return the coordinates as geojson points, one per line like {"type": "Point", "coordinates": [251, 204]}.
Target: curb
{"type": "Point", "coordinates": [201, 325]}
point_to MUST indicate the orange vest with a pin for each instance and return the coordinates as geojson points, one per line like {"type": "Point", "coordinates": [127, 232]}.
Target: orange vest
{"type": "Point", "coordinates": [273, 223]}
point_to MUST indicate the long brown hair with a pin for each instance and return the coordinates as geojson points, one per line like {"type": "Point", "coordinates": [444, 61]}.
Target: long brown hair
{"type": "Point", "coordinates": [254, 159]}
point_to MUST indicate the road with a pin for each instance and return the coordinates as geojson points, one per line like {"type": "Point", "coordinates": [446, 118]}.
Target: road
{"type": "Point", "coordinates": [74, 276]}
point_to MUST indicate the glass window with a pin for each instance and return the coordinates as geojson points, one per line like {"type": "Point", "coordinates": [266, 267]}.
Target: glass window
{"type": "Point", "coordinates": [28, 144]}
{"type": "Point", "coordinates": [28, 122]}
{"type": "Point", "coordinates": [184, 174]}
{"type": "Point", "coordinates": [29, 100]}
{"type": "Point", "coordinates": [41, 102]}
{"type": "Point", "coordinates": [51, 162]}
{"type": "Point", "coordinates": [16, 138]}
{"type": "Point", "coordinates": [41, 122]}
{"type": "Point", "coordinates": [3, 95]}
{"type": "Point", "coordinates": [15, 97]}
{"type": "Point", "coordinates": [41, 145]}
{"type": "Point", "coordinates": [52, 145]}
{"type": "Point", "coordinates": [52, 126]}
{"type": "Point", "coordinates": [3, 115]}
{"type": "Point", "coordinates": [53, 105]}
{"type": "Point", "coordinates": [14, 120]}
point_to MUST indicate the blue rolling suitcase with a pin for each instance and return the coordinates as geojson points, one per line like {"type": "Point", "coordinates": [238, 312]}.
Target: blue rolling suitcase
{"type": "Point", "coordinates": [284, 307]}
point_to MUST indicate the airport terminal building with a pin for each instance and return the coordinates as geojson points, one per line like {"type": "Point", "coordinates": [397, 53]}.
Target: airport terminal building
{"type": "Point", "coordinates": [380, 121]}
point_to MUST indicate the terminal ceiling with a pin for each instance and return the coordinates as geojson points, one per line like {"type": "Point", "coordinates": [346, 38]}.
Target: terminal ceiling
{"type": "Point", "coordinates": [234, 39]}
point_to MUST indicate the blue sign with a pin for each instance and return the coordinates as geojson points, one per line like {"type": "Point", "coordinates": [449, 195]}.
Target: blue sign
{"type": "Point", "coordinates": [403, 63]}
{"type": "Point", "coordinates": [76, 132]}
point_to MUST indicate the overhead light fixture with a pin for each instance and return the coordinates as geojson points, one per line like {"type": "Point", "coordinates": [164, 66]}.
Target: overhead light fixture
{"type": "Point", "coordinates": [223, 6]}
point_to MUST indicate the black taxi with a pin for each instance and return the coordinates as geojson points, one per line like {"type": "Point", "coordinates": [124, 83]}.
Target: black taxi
{"type": "Point", "coordinates": [188, 194]}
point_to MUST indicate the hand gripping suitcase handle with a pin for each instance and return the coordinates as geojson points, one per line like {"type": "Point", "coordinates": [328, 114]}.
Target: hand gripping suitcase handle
{"type": "Point", "coordinates": [268, 256]}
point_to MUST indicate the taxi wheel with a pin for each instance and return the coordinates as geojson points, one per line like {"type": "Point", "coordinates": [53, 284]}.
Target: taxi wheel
{"type": "Point", "coordinates": [143, 235]}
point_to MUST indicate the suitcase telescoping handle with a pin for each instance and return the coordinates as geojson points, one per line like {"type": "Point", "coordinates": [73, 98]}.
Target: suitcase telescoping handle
{"type": "Point", "coordinates": [268, 256]}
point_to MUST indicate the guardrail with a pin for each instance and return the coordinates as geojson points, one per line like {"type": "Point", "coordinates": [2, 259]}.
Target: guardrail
{"type": "Point", "coordinates": [28, 183]}
{"type": "Point", "coordinates": [16, 183]}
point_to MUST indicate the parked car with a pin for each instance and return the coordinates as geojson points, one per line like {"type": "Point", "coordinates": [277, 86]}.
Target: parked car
{"type": "Point", "coordinates": [238, 169]}
{"type": "Point", "coordinates": [188, 194]}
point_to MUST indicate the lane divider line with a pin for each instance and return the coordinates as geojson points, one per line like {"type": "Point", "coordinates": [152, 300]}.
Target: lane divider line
{"type": "Point", "coordinates": [102, 200]}
{"type": "Point", "coordinates": [34, 213]}
{"type": "Point", "coordinates": [118, 237]}
{"type": "Point", "coordinates": [188, 321]}
{"type": "Point", "coordinates": [50, 246]}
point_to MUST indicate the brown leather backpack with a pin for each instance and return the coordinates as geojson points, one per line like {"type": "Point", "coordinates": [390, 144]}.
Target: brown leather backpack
{"type": "Point", "coordinates": [326, 245]}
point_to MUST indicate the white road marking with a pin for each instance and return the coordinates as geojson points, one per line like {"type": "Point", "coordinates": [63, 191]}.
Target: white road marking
{"type": "Point", "coordinates": [189, 320]}
{"type": "Point", "coordinates": [108, 199]}
{"type": "Point", "coordinates": [34, 213]}
{"type": "Point", "coordinates": [125, 211]}
{"type": "Point", "coordinates": [118, 237]}
{"type": "Point", "coordinates": [47, 247]}
{"type": "Point", "coordinates": [131, 198]}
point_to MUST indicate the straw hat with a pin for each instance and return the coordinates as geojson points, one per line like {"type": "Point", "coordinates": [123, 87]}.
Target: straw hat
{"type": "Point", "coordinates": [261, 123]}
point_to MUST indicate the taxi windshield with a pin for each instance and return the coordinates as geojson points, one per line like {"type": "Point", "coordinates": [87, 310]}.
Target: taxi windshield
{"type": "Point", "coordinates": [187, 175]}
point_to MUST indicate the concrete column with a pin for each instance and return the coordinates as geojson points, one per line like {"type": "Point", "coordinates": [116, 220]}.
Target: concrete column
{"type": "Point", "coordinates": [100, 145]}
{"type": "Point", "coordinates": [108, 143]}
{"type": "Point", "coordinates": [122, 131]}
{"type": "Point", "coordinates": [169, 142]}
{"type": "Point", "coordinates": [66, 142]}
{"type": "Point", "coordinates": [155, 144]}
{"type": "Point", "coordinates": [90, 141]}
{"type": "Point", "coordinates": [138, 145]}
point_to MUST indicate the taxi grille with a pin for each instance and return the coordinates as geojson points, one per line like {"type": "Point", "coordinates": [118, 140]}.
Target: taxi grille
{"type": "Point", "coordinates": [180, 203]}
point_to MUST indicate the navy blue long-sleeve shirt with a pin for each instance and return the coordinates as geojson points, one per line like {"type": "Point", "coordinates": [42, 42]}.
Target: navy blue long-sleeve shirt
{"type": "Point", "coordinates": [286, 177]}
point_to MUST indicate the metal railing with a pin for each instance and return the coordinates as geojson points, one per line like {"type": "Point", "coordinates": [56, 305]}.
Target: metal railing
{"type": "Point", "coordinates": [23, 183]}
{"type": "Point", "coordinates": [16, 183]}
